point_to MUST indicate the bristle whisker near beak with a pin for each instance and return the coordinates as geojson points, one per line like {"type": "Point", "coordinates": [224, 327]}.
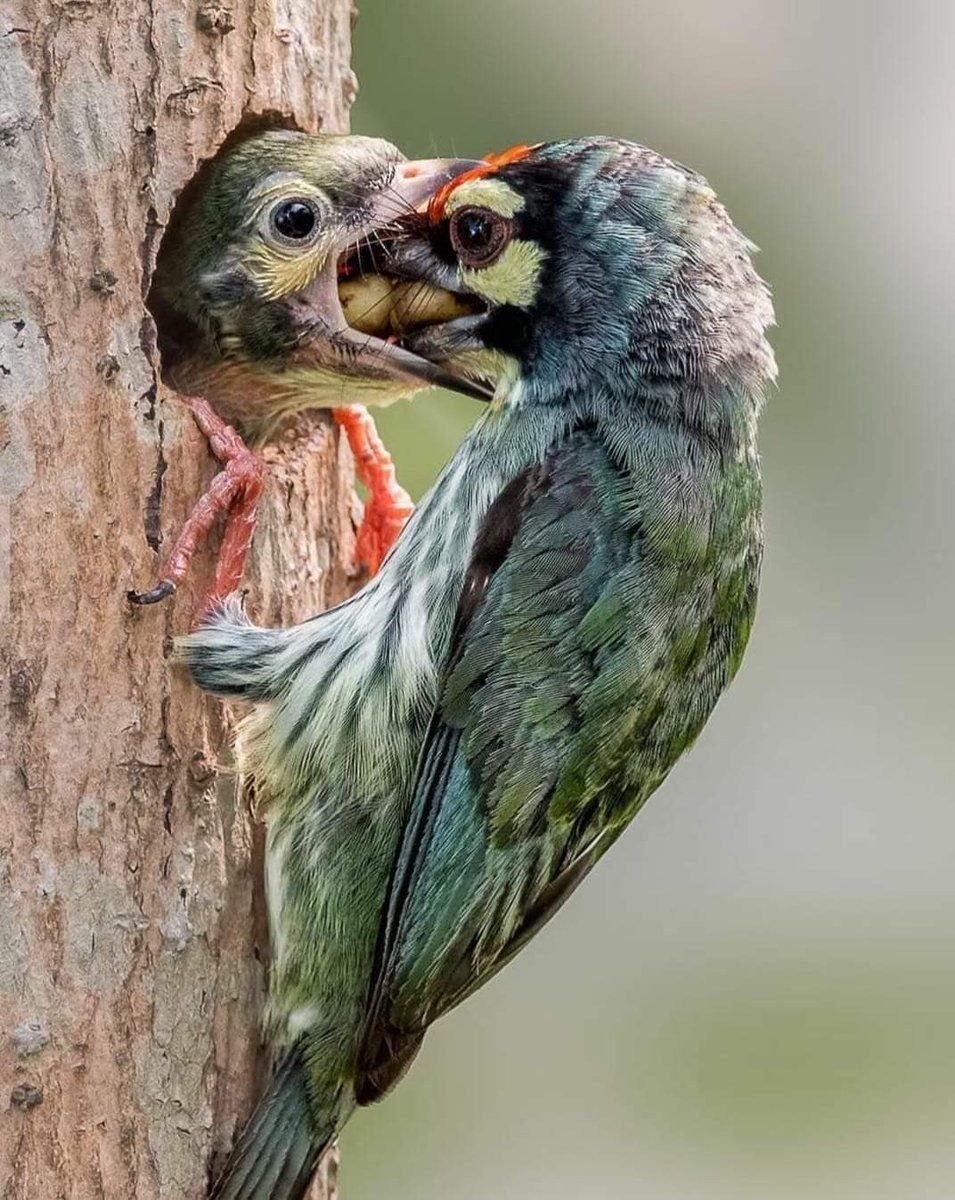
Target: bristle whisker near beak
{"type": "Point", "coordinates": [373, 252]}
{"type": "Point", "coordinates": [380, 240]}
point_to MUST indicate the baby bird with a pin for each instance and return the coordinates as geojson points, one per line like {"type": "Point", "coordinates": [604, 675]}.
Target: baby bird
{"type": "Point", "coordinates": [444, 757]}
{"type": "Point", "coordinates": [251, 325]}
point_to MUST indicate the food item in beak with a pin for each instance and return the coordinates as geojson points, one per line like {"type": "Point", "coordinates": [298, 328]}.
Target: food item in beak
{"type": "Point", "coordinates": [383, 307]}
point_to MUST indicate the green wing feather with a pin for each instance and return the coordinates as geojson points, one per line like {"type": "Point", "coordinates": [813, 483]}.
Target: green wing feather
{"type": "Point", "coordinates": [485, 857]}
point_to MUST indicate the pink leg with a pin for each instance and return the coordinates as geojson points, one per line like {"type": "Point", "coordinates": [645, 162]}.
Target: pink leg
{"type": "Point", "coordinates": [388, 506]}
{"type": "Point", "coordinates": [235, 491]}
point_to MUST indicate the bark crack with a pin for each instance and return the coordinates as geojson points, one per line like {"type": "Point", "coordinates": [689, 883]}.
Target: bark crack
{"type": "Point", "coordinates": [152, 517]}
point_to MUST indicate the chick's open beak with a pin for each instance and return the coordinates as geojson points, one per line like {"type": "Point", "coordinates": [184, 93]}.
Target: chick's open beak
{"type": "Point", "coordinates": [397, 287]}
{"type": "Point", "coordinates": [353, 323]}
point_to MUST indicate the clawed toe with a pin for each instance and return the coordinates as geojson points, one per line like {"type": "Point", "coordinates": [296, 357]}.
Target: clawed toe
{"type": "Point", "coordinates": [164, 588]}
{"type": "Point", "coordinates": [235, 491]}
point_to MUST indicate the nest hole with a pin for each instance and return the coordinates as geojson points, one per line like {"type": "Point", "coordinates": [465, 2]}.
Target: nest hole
{"type": "Point", "coordinates": [173, 334]}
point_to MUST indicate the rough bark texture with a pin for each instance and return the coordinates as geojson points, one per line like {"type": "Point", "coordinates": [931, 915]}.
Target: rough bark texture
{"type": "Point", "coordinates": [131, 939]}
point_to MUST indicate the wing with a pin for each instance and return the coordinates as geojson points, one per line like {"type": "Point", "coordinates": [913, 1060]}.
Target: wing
{"type": "Point", "coordinates": [507, 812]}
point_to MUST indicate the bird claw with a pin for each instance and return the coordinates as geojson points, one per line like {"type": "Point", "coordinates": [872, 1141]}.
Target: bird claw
{"type": "Point", "coordinates": [234, 491]}
{"type": "Point", "coordinates": [164, 588]}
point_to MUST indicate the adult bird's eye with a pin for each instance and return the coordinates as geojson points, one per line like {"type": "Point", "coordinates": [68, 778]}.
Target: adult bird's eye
{"type": "Point", "coordinates": [479, 235]}
{"type": "Point", "coordinates": [294, 220]}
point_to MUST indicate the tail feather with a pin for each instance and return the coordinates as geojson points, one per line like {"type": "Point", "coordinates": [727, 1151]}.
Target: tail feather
{"type": "Point", "coordinates": [281, 1146]}
{"type": "Point", "coordinates": [297, 1174]}
{"type": "Point", "coordinates": [230, 656]}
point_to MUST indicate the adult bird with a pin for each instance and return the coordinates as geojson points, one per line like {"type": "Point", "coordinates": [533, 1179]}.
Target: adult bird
{"type": "Point", "coordinates": [251, 322]}
{"type": "Point", "coordinates": [445, 756]}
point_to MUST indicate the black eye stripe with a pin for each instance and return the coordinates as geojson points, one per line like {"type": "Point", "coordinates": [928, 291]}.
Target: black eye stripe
{"type": "Point", "coordinates": [294, 220]}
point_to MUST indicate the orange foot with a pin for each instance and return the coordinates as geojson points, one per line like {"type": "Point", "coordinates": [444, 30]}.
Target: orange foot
{"type": "Point", "coordinates": [234, 491]}
{"type": "Point", "coordinates": [388, 506]}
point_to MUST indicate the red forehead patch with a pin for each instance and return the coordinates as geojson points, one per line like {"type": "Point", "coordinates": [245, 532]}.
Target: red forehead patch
{"type": "Point", "coordinates": [490, 166]}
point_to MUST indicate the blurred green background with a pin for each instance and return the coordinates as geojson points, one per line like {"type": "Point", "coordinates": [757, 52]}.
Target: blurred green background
{"type": "Point", "coordinates": [753, 995]}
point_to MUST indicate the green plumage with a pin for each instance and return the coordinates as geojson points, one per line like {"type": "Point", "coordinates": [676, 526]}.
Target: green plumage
{"type": "Point", "coordinates": [590, 665]}
{"type": "Point", "coordinates": [447, 755]}
{"type": "Point", "coordinates": [277, 1152]}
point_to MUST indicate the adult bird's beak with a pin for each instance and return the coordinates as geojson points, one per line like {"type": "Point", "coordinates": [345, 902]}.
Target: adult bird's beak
{"type": "Point", "coordinates": [359, 339]}
{"type": "Point", "coordinates": [417, 181]}
{"type": "Point", "coordinates": [406, 288]}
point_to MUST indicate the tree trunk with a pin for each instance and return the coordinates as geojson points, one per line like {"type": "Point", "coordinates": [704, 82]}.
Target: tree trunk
{"type": "Point", "coordinates": [131, 933]}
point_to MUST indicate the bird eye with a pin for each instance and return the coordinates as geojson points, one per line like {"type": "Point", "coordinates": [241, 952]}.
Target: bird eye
{"type": "Point", "coordinates": [479, 235]}
{"type": "Point", "coordinates": [294, 220]}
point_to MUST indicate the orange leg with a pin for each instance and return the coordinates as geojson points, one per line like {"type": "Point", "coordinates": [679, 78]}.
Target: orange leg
{"type": "Point", "coordinates": [388, 506]}
{"type": "Point", "coordinates": [234, 491]}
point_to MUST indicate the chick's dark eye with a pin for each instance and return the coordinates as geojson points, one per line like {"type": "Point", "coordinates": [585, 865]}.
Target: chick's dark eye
{"type": "Point", "coordinates": [294, 220]}
{"type": "Point", "coordinates": [479, 235]}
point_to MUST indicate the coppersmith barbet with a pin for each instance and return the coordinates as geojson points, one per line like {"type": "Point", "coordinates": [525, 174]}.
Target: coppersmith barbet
{"type": "Point", "coordinates": [252, 326]}
{"type": "Point", "coordinates": [446, 755]}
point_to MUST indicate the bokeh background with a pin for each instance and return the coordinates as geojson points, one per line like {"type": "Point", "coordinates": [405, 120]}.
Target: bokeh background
{"type": "Point", "coordinates": [753, 996]}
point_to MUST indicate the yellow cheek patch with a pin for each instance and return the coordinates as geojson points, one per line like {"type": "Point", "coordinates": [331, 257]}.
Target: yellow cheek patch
{"type": "Point", "coordinates": [485, 193]}
{"type": "Point", "coordinates": [513, 279]}
{"type": "Point", "coordinates": [276, 274]}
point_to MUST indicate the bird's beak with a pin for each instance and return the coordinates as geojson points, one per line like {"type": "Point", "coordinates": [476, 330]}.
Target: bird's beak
{"type": "Point", "coordinates": [406, 291]}
{"type": "Point", "coordinates": [351, 330]}
{"type": "Point", "coordinates": [417, 181]}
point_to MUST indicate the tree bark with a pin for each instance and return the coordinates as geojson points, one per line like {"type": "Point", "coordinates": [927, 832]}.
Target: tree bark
{"type": "Point", "coordinates": [132, 943]}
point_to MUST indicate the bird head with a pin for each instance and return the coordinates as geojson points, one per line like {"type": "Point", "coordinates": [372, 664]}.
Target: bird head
{"type": "Point", "coordinates": [590, 264]}
{"type": "Point", "coordinates": [246, 290]}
